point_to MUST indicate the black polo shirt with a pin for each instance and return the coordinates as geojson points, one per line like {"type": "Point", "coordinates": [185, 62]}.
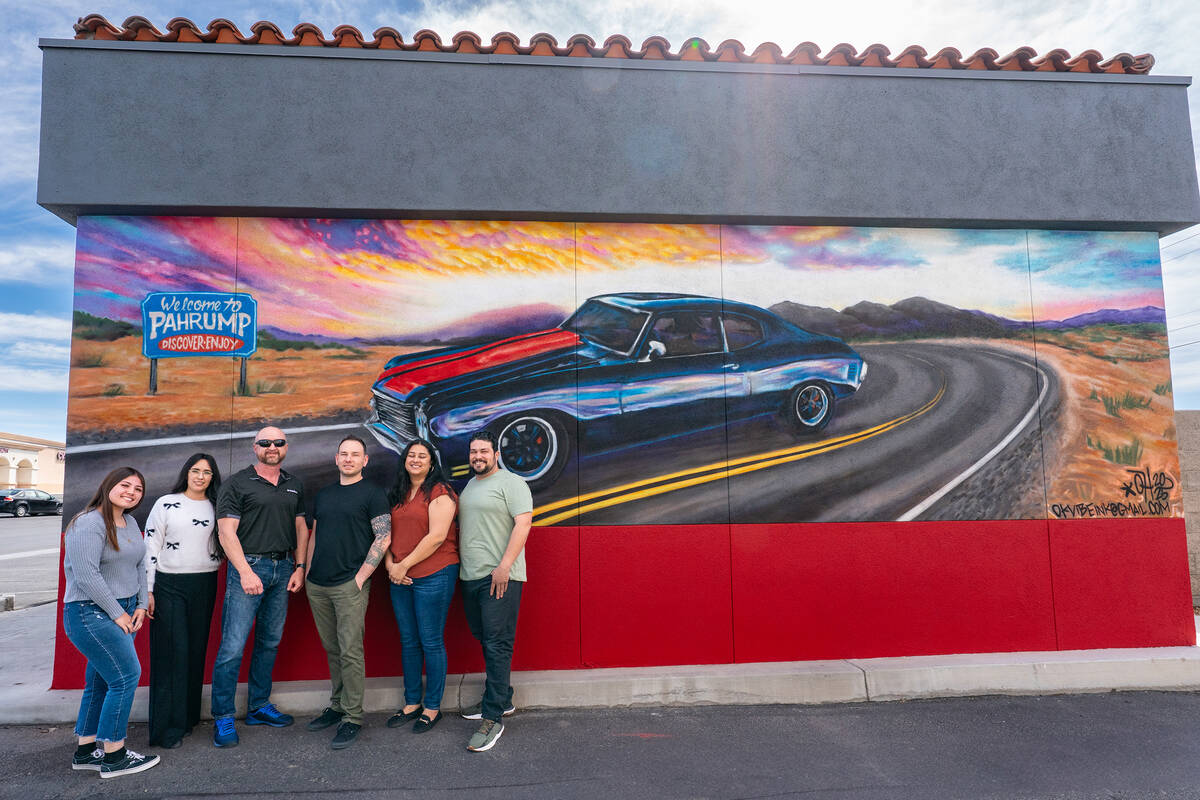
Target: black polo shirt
{"type": "Point", "coordinates": [266, 512]}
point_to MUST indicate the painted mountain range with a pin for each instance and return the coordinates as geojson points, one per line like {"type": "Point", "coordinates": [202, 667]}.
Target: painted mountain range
{"type": "Point", "coordinates": [918, 317]}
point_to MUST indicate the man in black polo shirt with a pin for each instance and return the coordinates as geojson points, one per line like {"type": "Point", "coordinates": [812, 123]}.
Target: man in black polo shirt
{"type": "Point", "coordinates": [352, 528]}
{"type": "Point", "coordinates": [260, 521]}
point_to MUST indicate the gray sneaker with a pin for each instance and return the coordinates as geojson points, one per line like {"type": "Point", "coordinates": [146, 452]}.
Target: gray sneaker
{"type": "Point", "coordinates": [476, 711]}
{"type": "Point", "coordinates": [486, 737]}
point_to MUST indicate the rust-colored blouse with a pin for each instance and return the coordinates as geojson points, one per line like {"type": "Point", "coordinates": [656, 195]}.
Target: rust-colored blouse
{"type": "Point", "coordinates": [410, 524]}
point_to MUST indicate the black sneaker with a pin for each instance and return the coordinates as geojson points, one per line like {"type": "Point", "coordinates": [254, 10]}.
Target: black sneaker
{"type": "Point", "coordinates": [91, 761]}
{"type": "Point", "coordinates": [347, 732]}
{"type": "Point", "coordinates": [328, 717]}
{"type": "Point", "coordinates": [131, 763]}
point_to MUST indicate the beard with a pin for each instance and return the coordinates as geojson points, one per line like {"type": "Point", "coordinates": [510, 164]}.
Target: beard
{"type": "Point", "coordinates": [480, 468]}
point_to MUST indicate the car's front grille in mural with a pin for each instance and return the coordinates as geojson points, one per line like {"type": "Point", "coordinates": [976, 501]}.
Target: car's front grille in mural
{"type": "Point", "coordinates": [398, 416]}
{"type": "Point", "coordinates": [852, 371]}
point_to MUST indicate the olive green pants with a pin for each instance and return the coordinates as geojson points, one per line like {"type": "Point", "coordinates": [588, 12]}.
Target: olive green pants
{"type": "Point", "coordinates": [339, 613]}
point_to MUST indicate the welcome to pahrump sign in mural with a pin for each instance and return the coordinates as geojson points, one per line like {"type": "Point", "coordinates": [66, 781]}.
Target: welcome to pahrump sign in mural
{"type": "Point", "coordinates": [177, 324]}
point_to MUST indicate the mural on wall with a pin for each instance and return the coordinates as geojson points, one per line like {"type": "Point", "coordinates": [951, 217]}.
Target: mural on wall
{"type": "Point", "coordinates": [642, 374]}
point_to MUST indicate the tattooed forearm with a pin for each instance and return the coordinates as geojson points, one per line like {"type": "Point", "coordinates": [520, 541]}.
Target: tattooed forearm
{"type": "Point", "coordinates": [382, 528]}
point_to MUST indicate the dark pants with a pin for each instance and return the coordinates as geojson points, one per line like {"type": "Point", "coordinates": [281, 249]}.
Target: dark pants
{"type": "Point", "coordinates": [494, 623]}
{"type": "Point", "coordinates": [183, 608]}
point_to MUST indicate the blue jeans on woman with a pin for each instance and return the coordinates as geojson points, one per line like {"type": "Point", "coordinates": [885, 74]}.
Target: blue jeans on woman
{"type": "Point", "coordinates": [266, 613]}
{"type": "Point", "coordinates": [112, 671]}
{"type": "Point", "coordinates": [420, 611]}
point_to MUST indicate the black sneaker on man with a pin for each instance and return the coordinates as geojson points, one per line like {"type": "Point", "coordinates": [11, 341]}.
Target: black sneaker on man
{"type": "Point", "coordinates": [90, 759]}
{"type": "Point", "coordinates": [328, 717]}
{"type": "Point", "coordinates": [476, 711]}
{"type": "Point", "coordinates": [128, 764]}
{"type": "Point", "coordinates": [347, 732]}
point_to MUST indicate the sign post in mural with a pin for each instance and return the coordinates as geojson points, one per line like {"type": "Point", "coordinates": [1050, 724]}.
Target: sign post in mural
{"type": "Point", "coordinates": [178, 324]}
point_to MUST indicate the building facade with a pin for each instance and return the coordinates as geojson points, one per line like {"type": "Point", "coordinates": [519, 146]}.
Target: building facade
{"type": "Point", "coordinates": [825, 356]}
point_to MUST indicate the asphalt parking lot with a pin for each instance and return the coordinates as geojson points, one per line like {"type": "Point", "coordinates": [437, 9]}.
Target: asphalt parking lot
{"type": "Point", "coordinates": [29, 549]}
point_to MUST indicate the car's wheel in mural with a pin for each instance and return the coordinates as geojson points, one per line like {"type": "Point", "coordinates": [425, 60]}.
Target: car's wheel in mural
{"type": "Point", "coordinates": [810, 407]}
{"type": "Point", "coordinates": [534, 447]}
{"type": "Point", "coordinates": [21, 511]}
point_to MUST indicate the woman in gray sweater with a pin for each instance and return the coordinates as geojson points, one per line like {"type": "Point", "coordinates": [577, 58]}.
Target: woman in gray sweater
{"type": "Point", "coordinates": [104, 606]}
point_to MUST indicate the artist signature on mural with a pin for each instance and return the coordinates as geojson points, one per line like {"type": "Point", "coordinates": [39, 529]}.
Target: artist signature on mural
{"type": "Point", "coordinates": [1145, 494]}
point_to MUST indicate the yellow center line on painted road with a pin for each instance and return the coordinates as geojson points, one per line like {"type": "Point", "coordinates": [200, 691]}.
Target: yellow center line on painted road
{"type": "Point", "coordinates": [683, 479]}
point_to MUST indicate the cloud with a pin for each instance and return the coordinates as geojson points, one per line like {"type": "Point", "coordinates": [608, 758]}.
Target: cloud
{"type": "Point", "coordinates": [15, 378]}
{"type": "Point", "coordinates": [23, 327]}
{"type": "Point", "coordinates": [37, 263]}
{"type": "Point", "coordinates": [40, 351]}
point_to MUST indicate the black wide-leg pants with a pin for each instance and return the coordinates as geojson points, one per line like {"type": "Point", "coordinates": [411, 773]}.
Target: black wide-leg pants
{"type": "Point", "coordinates": [183, 608]}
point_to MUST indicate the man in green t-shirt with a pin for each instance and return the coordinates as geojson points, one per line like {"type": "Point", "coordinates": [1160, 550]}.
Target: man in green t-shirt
{"type": "Point", "coordinates": [495, 511]}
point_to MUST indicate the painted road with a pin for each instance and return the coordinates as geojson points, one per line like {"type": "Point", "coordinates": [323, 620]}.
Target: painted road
{"type": "Point", "coordinates": [926, 415]}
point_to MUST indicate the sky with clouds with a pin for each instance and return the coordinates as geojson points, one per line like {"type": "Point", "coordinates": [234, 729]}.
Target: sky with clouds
{"type": "Point", "coordinates": [37, 248]}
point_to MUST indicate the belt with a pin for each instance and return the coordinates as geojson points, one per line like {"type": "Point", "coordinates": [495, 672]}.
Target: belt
{"type": "Point", "coordinates": [274, 555]}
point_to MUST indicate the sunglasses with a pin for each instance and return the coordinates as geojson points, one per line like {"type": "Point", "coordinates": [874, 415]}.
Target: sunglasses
{"type": "Point", "coordinates": [264, 443]}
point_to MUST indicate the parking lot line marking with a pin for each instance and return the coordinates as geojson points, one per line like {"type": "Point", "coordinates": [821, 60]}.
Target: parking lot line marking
{"type": "Point", "coordinates": [29, 554]}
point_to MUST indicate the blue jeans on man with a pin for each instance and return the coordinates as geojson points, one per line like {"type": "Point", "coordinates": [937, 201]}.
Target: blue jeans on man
{"type": "Point", "coordinates": [266, 613]}
{"type": "Point", "coordinates": [112, 671]}
{"type": "Point", "coordinates": [420, 611]}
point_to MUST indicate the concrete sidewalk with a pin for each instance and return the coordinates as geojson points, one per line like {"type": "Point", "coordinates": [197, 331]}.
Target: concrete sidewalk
{"type": "Point", "coordinates": [27, 637]}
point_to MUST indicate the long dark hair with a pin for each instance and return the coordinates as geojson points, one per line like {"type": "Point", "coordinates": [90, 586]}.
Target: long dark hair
{"type": "Point", "coordinates": [398, 494]}
{"type": "Point", "coordinates": [101, 501]}
{"type": "Point", "coordinates": [181, 485]}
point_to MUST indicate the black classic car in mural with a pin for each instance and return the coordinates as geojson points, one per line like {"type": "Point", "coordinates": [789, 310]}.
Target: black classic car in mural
{"type": "Point", "coordinates": [622, 369]}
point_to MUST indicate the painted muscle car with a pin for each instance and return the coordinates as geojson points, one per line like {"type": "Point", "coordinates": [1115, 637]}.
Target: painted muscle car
{"type": "Point", "coordinates": [623, 368]}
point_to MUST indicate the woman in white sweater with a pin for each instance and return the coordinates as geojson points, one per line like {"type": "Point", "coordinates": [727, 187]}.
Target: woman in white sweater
{"type": "Point", "coordinates": [182, 557]}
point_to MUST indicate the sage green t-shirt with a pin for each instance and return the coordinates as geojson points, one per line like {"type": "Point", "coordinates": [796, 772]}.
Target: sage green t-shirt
{"type": "Point", "coordinates": [487, 508]}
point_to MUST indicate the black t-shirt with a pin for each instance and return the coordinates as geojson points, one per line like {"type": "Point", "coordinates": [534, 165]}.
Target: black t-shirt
{"type": "Point", "coordinates": [343, 517]}
{"type": "Point", "coordinates": [266, 512]}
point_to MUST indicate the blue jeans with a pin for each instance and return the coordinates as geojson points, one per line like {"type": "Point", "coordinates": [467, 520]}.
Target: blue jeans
{"type": "Point", "coordinates": [420, 611]}
{"type": "Point", "coordinates": [266, 612]}
{"type": "Point", "coordinates": [112, 671]}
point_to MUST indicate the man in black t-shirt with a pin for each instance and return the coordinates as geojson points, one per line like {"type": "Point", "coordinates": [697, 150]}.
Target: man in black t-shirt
{"type": "Point", "coordinates": [352, 528]}
{"type": "Point", "coordinates": [261, 525]}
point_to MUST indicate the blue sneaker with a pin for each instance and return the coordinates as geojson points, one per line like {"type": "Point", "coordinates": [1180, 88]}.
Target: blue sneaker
{"type": "Point", "coordinates": [269, 715]}
{"type": "Point", "coordinates": [225, 734]}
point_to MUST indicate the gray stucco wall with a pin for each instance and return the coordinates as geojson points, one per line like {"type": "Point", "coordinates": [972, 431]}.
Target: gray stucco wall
{"type": "Point", "coordinates": [1187, 427]}
{"type": "Point", "coordinates": [259, 130]}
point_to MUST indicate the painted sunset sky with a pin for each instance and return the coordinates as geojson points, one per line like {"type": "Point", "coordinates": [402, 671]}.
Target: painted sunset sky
{"type": "Point", "coordinates": [388, 278]}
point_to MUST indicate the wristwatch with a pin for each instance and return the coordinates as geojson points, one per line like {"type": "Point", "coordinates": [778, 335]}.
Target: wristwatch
{"type": "Point", "coordinates": [299, 565]}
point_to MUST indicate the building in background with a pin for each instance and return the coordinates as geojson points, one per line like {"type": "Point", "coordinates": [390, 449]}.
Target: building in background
{"type": "Point", "coordinates": [29, 463]}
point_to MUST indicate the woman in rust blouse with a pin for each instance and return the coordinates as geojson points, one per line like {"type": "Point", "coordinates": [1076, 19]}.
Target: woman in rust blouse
{"type": "Point", "coordinates": [422, 564]}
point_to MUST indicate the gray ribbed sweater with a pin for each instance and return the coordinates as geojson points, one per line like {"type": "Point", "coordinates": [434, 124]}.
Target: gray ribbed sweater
{"type": "Point", "coordinates": [97, 572]}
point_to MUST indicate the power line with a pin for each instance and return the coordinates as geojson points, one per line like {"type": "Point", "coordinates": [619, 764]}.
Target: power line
{"type": "Point", "coordinates": [1181, 327]}
{"type": "Point", "coordinates": [1181, 255]}
{"type": "Point", "coordinates": [1179, 241]}
{"type": "Point", "coordinates": [1185, 344]}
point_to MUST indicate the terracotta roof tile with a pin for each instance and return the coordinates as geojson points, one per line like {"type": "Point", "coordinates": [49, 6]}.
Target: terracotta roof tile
{"type": "Point", "coordinates": [222, 31]}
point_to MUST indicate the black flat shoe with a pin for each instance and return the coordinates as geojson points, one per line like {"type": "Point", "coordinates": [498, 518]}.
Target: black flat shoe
{"type": "Point", "coordinates": [171, 744]}
{"type": "Point", "coordinates": [424, 723]}
{"type": "Point", "coordinates": [399, 718]}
